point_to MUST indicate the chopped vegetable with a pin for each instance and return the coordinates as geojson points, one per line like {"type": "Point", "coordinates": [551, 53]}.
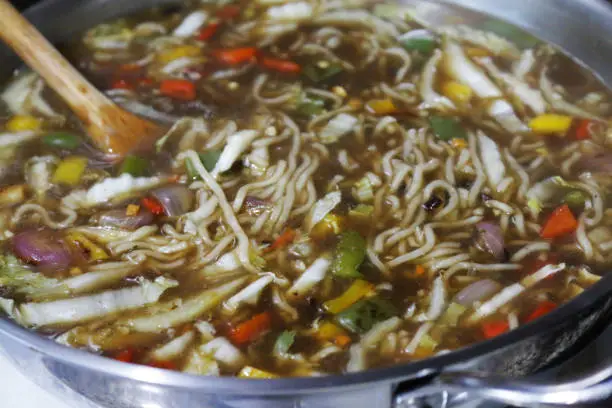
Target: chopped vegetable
{"type": "Point", "coordinates": [284, 342]}
{"type": "Point", "coordinates": [457, 92]}
{"type": "Point", "coordinates": [122, 84]}
{"type": "Point", "coordinates": [447, 128]}
{"type": "Point", "coordinates": [323, 207]}
{"type": "Point", "coordinates": [164, 365]}
{"type": "Point", "coordinates": [134, 165]}
{"type": "Point", "coordinates": [153, 205]}
{"type": "Point", "coordinates": [20, 123]}
{"type": "Point", "coordinates": [279, 65]}
{"type": "Point", "coordinates": [291, 12]}
{"type": "Point", "coordinates": [70, 170]}
{"type": "Point", "coordinates": [363, 190]}
{"type": "Point", "coordinates": [489, 238]}
{"type": "Point", "coordinates": [209, 31]}
{"type": "Point", "coordinates": [329, 226]}
{"type": "Point", "coordinates": [309, 279]}
{"type": "Point", "coordinates": [363, 315]}
{"type": "Point", "coordinates": [549, 124]}
{"type": "Point", "coordinates": [126, 356]}
{"type": "Point", "coordinates": [236, 56]}
{"type": "Point", "coordinates": [252, 372]}
{"type": "Point", "coordinates": [12, 195]}
{"type": "Point", "coordinates": [492, 161]}
{"type": "Point", "coordinates": [381, 106]}
{"type": "Point", "coordinates": [132, 210]}
{"type": "Point", "coordinates": [583, 129]}
{"type": "Point", "coordinates": [576, 200]}
{"type": "Point", "coordinates": [209, 160]}
{"type": "Point", "coordinates": [358, 290]}
{"type": "Point", "coordinates": [561, 222]}
{"type": "Point", "coordinates": [171, 54]}
{"type": "Point", "coordinates": [361, 212]}
{"type": "Point", "coordinates": [191, 24]}
{"type": "Point", "coordinates": [283, 240]}
{"type": "Point", "coordinates": [235, 145]}
{"type": "Point", "coordinates": [339, 126]}
{"type": "Point", "coordinates": [422, 45]}
{"type": "Point", "coordinates": [459, 143]}
{"type": "Point", "coordinates": [310, 106]}
{"type": "Point", "coordinates": [350, 253]}
{"type": "Point", "coordinates": [73, 311]}
{"type": "Point", "coordinates": [81, 242]}
{"type": "Point", "coordinates": [330, 332]}
{"type": "Point", "coordinates": [320, 71]}
{"type": "Point", "coordinates": [494, 329]}
{"type": "Point", "coordinates": [249, 295]}
{"type": "Point", "coordinates": [453, 313]}
{"type": "Point", "coordinates": [542, 309]}
{"type": "Point", "coordinates": [62, 140]}
{"type": "Point", "coordinates": [251, 329]}
{"type": "Point", "coordinates": [176, 199]}
{"type": "Point", "coordinates": [178, 89]}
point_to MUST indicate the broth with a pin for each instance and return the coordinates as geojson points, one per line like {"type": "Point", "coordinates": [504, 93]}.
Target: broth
{"type": "Point", "coordinates": [341, 189]}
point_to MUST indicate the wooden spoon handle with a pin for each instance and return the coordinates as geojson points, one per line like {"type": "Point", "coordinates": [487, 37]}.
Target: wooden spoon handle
{"type": "Point", "coordinates": [43, 58]}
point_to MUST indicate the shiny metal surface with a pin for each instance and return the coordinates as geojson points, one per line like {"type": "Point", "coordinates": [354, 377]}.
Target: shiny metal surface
{"type": "Point", "coordinates": [581, 27]}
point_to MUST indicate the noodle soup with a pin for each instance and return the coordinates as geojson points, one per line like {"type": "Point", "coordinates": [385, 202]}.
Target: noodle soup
{"type": "Point", "coordinates": [340, 188]}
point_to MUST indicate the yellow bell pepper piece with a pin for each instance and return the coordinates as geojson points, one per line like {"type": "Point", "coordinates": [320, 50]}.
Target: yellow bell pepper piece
{"type": "Point", "coordinates": [354, 293]}
{"type": "Point", "coordinates": [132, 209]}
{"type": "Point", "coordinates": [459, 143]}
{"type": "Point", "coordinates": [81, 241]}
{"type": "Point", "coordinates": [70, 170]}
{"type": "Point", "coordinates": [381, 106]}
{"type": "Point", "coordinates": [330, 332]}
{"type": "Point", "coordinates": [20, 123]}
{"type": "Point", "coordinates": [330, 225]}
{"type": "Point", "coordinates": [252, 372]}
{"type": "Point", "coordinates": [456, 92]}
{"type": "Point", "coordinates": [551, 124]}
{"type": "Point", "coordinates": [172, 54]}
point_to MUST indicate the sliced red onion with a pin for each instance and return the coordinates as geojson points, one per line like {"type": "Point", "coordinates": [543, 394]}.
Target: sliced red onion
{"type": "Point", "coordinates": [490, 238]}
{"type": "Point", "coordinates": [176, 199]}
{"type": "Point", "coordinates": [477, 291]}
{"type": "Point", "coordinates": [42, 247]}
{"type": "Point", "coordinates": [601, 163]}
{"type": "Point", "coordinates": [119, 219]}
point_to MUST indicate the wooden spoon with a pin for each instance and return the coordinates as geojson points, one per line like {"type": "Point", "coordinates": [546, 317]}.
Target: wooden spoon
{"type": "Point", "coordinates": [113, 130]}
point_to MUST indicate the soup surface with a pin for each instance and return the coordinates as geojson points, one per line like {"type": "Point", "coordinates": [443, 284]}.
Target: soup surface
{"type": "Point", "coordinates": [341, 188]}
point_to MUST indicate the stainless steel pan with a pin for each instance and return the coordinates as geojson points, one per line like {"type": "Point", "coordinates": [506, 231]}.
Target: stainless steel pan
{"type": "Point", "coordinates": [489, 370]}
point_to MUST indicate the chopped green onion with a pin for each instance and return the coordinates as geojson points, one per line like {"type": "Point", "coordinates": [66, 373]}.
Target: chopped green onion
{"type": "Point", "coordinates": [350, 253]}
{"type": "Point", "coordinates": [320, 72]}
{"type": "Point", "coordinates": [363, 315]}
{"type": "Point", "coordinates": [422, 45]}
{"type": "Point", "coordinates": [209, 161]}
{"type": "Point", "coordinates": [134, 165]}
{"type": "Point", "coordinates": [284, 342]}
{"type": "Point", "coordinates": [62, 140]}
{"type": "Point", "coordinates": [447, 128]}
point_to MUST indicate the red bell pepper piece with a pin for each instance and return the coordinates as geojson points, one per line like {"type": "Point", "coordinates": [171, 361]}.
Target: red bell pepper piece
{"type": "Point", "coordinates": [178, 89]}
{"type": "Point", "coordinates": [494, 329]}
{"type": "Point", "coordinates": [542, 309]}
{"type": "Point", "coordinates": [236, 56]}
{"type": "Point", "coordinates": [287, 67]}
{"type": "Point", "coordinates": [561, 222]}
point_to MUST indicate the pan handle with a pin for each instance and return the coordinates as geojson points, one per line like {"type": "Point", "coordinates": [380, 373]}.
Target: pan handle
{"type": "Point", "coordinates": [593, 389]}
